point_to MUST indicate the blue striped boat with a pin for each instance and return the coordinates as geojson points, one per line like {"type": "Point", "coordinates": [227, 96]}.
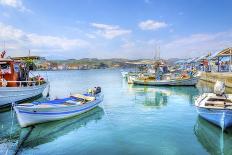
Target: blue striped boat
{"type": "Point", "coordinates": [40, 112]}
{"type": "Point", "coordinates": [173, 82]}
{"type": "Point", "coordinates": [215, 109]}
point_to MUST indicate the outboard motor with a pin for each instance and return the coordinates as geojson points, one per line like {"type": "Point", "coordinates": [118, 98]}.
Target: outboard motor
{"type": "Point", "coordinates": [219, 88]}
{"type": "Point", "coordinates": [98, 90]}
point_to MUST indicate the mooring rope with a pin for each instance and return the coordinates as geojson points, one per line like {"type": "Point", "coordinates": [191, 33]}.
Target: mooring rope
{"type": "Point", "coordinates": [12, 123]}
{"type": "Point", "coordinates": [12, 117]}
{"type": "Point", "coordinates": [48, 93]}
{"type": "Point", "coordinates": [20, 144]}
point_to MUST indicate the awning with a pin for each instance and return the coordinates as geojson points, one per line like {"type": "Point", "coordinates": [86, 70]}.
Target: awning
{"type": "Point", "coordinates": [204, 57]}
{"type": "Point", "coordinates": [225, 52]}
{"type": "Point", "coordinates": [213, 56]}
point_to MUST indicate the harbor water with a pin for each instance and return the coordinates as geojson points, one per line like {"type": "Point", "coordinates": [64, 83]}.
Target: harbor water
{"type": "Point", "coordinates": [131, 120]}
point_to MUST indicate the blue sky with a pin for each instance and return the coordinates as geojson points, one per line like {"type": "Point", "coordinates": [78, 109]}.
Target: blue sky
{"type": "Point", "coordinates": [115, 28]}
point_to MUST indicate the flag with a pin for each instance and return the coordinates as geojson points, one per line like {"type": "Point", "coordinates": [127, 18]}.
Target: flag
{"type": "Point", "coordinates": [3, 54]}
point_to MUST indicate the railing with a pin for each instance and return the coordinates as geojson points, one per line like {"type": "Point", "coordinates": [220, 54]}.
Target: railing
{"type": "Point", "coordinates": [23, 83]}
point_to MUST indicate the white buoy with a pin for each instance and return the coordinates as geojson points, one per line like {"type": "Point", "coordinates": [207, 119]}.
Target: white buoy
{"type": "Point", "coordinates": [219, 88]}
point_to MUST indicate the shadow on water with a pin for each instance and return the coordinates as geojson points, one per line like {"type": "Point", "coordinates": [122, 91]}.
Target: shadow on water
{"type": "Point", "coordinates": [212, 138]}
{"type": "Point", "coordinates": [158, 96]}
{"type": "Point", "coordinates": [48, 132]}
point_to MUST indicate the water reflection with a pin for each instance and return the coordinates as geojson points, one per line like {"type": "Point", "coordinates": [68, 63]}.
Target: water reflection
{"type": "Point", "coordinates": [48, 132]}
{"type": "Point", "coordinates": [158, 96]}
{"type": "Point", "coordinates": [9, 128]}
{"type": "Point", "coordinates": [9, 131]}
{"type": "Point", "coordinates": [212, 138]}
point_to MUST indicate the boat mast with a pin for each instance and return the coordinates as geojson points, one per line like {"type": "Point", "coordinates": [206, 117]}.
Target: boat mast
{"type": "Point", "coordinates": [230, 59]}
{"type": "Point", "coordinates": [158, 52]}
{"type": "Point", "coordinates": [155, 56]}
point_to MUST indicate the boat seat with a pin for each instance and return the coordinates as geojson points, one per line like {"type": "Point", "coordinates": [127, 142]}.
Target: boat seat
{"type": "Point", "coordinates": [74, 102]}
{"type": "Point", "coordinates": [218, 103]}
{"type": "Point", "coordinates": [218, 98]}
{"type": "Point", "coordinates": [214, 103]}
{"type": "Point", "coordinates": [81, 96]}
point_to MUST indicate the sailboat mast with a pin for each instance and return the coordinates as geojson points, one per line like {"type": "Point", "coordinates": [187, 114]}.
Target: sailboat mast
{"type": "Point", "coordinates": [159, 52]}
{"type": "Point", "coordinates": [155, 54]}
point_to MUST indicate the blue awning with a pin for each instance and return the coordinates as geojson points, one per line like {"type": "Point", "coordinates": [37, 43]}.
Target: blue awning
{"type": "Point", "coordinates": [214, 55]}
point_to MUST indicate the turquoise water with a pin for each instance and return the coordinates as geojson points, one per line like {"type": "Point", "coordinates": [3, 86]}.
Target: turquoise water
{"type": "Point", "coordinates": [131, 120]}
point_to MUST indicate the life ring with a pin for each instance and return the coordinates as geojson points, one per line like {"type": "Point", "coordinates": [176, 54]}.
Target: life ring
{"type": "Point", "coordinates": [4, 82]}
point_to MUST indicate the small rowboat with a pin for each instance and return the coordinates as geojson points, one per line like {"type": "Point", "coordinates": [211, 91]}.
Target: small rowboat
{"type": "Point", "coordinates": [39, 112]}
{"type": "Point", "coordinates": [173, 82]}
{"type": "Point", "coordinates": [216, 107]}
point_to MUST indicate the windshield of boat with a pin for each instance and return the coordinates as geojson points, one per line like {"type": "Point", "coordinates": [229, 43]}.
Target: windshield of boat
{"type": "Point", "coordinates": [5, 68]}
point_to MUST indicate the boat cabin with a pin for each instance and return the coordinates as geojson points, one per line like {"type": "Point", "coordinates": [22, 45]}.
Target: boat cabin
{"type": "Point", "coordinates": [12, 72]}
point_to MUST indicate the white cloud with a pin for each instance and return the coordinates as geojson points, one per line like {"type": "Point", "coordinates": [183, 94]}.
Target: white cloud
{"type": "Point", "coordinates": [17, 4]}
{"type": "Point", "coordinates": [151, 25]}
{"type": "Point", "coordinates": [197, 44]}
{"type": "Point", "coordinates": [18, 40]}
{"type": "Point", "coordinates": [128, 45]}
{"type": "Point", "coordinates": [109, 31]}
{"type": "Point", "coordinates": [194, 45]}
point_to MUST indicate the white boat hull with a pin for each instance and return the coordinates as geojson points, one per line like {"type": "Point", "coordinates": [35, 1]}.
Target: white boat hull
{"type": "Point", "coordinates": [130, 79]}
{"type": "Point", "coordinates": [182, 82]}
{"type": "Point", "coordinates": [30, 116]}
{"type": "Point", "coordinates": [17, 94]}
{"type": "Point", "coordinates": [124, 74]}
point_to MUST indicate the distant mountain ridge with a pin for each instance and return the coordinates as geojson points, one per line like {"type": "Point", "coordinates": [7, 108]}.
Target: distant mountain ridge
{"type": "Point", "coordinates": [94, 63]}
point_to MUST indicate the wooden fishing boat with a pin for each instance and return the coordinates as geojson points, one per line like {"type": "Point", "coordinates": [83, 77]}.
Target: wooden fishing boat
{"type": "Point", "coordinates": [15, 83]}
{"type": "Point", "coordinates": [131, 78]}
{"type": "Point", "coordinates": [39, 112]}
{"type": "Point", "coordinates": [172, 82]}
{"type": "Point", "coordinates": [9, 95]}
{"type": "Point", "coordinates": [216, 108]}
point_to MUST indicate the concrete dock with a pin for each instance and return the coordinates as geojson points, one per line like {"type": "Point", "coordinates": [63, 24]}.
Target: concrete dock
{"type": "Point", "coordinates": [226, 77]}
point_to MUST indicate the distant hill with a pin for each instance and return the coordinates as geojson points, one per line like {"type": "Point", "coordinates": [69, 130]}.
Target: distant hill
{"type": "Point", "coordinates": [94, 63]}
